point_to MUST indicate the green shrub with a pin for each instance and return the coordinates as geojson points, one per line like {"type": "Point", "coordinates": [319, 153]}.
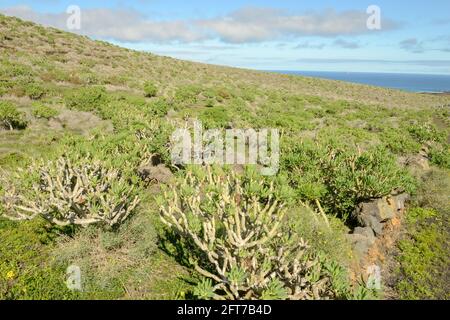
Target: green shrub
{"type": "Point", "coordinates": [34, 91]}
{"type": "Point", "coordinates": [427, 133]}
{"type": "Point", "coordinates": [188, 95]}
{"type": "Point", "coordinates": [340, 178]}
{"type": "Point", "coordinates": [352, 178]}
{"type": "Point", "coordinates": [150, 90]}
{"type": "Point", "coordinates": [400, 142]}
{"type": "Point", "coordinates": [9, 69]}
{"type": "Point", "coordinates": [215, 118]}
{"type": "Point", "coordinates": [440, 156]}
{"type": "Point", "coordinates": [122, 150]}
{"type": "Point", "coordinates": [10, 117]}
{"type": "Point", "coordinates": [43, 111]}
{"type": "Point", "coordinates": [159, 108]}
{"type": "Point", "coordinates": [87, 99]}
{"type": "Point", "coordinates": [5, 86]}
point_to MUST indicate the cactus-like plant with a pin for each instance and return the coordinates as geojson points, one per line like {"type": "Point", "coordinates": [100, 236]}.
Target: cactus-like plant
{"type": "Point", "coordinates": [245, 249]}
{"type": "Point", "coordinates": [65, 192]}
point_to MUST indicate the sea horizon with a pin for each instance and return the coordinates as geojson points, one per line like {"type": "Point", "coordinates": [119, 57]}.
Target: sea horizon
{"type": "Point", "coordinates": [411, 82]}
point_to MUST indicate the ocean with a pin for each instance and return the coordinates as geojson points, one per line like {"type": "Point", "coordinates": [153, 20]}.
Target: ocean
{"type": "Point", "coordinates": [401, 81]}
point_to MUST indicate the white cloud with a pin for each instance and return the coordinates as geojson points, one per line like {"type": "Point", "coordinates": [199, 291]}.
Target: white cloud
{"type": "Point", "coordinates": [250, 24]}
{"type": "Point", "coordinates": [116, 24]}
{"type": "Point", "coordinates": [264, 24]}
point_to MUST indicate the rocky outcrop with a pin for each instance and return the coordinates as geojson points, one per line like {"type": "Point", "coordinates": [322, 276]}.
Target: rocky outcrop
{"type": "Point", "coordinates": [374, 214]}
{"type": "Point", "coordinates": [373, 217]}
{"type": "Point", "coordinates": [419, 163]}
{"type": "Point", "coordinates": [362, 240]}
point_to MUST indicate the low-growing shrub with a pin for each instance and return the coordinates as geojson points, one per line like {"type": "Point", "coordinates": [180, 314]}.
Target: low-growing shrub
{"type": "Point", "coordinates": [400, 142]}
{"type": "Point", "coordinates": [44, 112]}
{"type": "Point", "coordinates": [159, 108]}
{"type": "Point", "coordinates": [5, 86]}
{"type": "Point", "coordinates": [126, 149]}
{"type": "Point", "coordinates": [424, 133]}
{"type": "Point", "coordinates": [10, 117]}
{"type": "Point", "coordinates": [440, 156]}
{"type": "Point", "coordinates": [188, 95]}
{"type": "Point", "coordinates": [216, 117]}
{"type": "Point", "coordinates": [9, 69]}
{"type": "Point", "coordinates": [355, 177]}
{"type": "Point", "coordinates": [87, 99]}
{"type": "Point", "coordinates": [150, 90]}
{"type": "Point", "coordinates": [34, 91]}
{"type": "Point", "coordinates": [340, 179]}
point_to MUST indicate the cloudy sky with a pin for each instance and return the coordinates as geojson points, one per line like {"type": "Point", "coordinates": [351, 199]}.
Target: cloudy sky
{"type": "Point", "coordinates": [315, 35]}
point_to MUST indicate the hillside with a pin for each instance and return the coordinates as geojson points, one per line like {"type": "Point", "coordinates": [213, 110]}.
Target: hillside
{"type": "Point", "coordinates": [68, 98]}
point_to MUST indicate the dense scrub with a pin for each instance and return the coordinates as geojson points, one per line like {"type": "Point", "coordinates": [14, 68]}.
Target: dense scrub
{"type": "Point", "coordinates": [341, 144]}
{"type": "Point", "coordinates": [341, 179]}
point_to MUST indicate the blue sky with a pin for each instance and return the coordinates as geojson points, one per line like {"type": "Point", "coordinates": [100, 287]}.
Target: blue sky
{"type": "Point", "coordinates": [272, 35]}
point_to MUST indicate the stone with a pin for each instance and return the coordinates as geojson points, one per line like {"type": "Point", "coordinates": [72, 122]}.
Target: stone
{"type": "Point", "coordinates": [398, 202]}
{"type": "Point", "coordinates": [373, 223]}
{"type": "Point", "coordinates": [155, 171]}
{"type": "Point", "coordinates": [362, 240]}
{"type": "Point", "coordinates": [366, 232]}
{"type": "Point", "coordinates": [377, 212]}
{"type": "Point", "coordinates": [378, 208]}
{"type": "Point", "coordinates": [418, 162]}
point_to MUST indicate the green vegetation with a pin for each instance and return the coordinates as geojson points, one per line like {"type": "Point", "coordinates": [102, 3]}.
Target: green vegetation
{"type": "Point", "coordinates": [124, 263]}
{"type": "Point", "coordinates": [150, 90]}
{"type": "Point", "coordinates": [86, 99]}
{"type": "Point", "coordinates": [10, 117]}
{"type": "Point", "coordinates": [26, 270]}
{"type": "Point", "coordinates": [44, 112]}
{"type": "Point", "coordinates": [340, 179]}
{"type": "Point", "coordinates": [34, 91]}
{"type": "Point", "coordinates": [243, 246]}
{"type": "Point", "coordinates": [69, 191]}
{"type": "Point", "coordinates": [423, 258]}
{"type": "Point", "coordinates": [112, 113]}
{"type": "Point", "coordinates": [440, 156]}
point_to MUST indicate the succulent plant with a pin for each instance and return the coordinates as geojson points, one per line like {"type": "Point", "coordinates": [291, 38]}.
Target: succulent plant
{"type": "Point", "coordinates": [238, 225]}
{"type": "Point", "coordinates": [66, 191]}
